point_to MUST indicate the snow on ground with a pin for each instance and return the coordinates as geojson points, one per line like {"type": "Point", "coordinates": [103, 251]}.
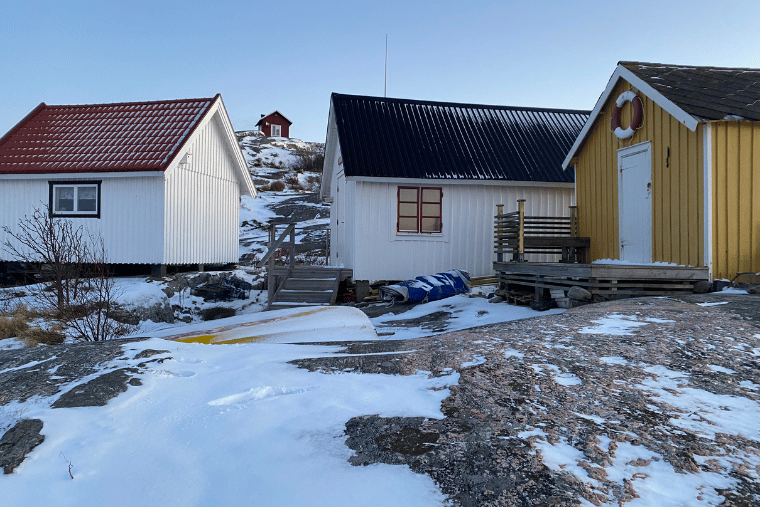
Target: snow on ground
{"type": "Point", "coordinates": [222, 424]}
{"type": "Point", "coordinates": [466, 312]}
{"type": "Point", "coordinates": [225, 425]}
{"type": "Point", "coordinates": [236, 421]}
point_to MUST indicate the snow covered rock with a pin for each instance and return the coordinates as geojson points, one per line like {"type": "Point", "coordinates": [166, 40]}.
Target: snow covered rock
{"type": "Point", "coordinates": [138, 302]}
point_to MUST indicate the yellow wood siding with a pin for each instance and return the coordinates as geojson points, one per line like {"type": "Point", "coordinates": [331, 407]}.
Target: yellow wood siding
{"type": "Point", "coordinates": [736, 197]}
{"type": "Point", "coordinates": [677, 184]}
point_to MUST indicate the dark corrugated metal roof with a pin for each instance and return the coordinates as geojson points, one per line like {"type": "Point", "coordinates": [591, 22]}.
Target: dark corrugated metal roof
{"type": "Point", "coordinates": [710, 93]}
{"type": "Point", "coordinates": [397, 138]}
{"type": "Point", "coordinates": [132, 136]}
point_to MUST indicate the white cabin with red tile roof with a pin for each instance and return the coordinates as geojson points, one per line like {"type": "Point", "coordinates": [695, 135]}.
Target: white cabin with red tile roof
{"type": "Point", "coordinates": [160, 182]}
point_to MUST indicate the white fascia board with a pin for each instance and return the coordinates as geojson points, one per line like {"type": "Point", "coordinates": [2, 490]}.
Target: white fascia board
{"type": "Point", "coordinates": [331, 144]}
{"type": "Point", "coordinates": [83, 176]}
{"type": "Point", "coordinates": [217, 108]}
{"type": "Point", "coordinates": [707, 207]}
{"type": "Point", "coordinates": [454, 181]}
{"type": "Point", "coordinates": [244, 174]}
{"type": "Point", "coordinates": [622, 73]}
{"type": "Point", "coordinates": [276, 111]}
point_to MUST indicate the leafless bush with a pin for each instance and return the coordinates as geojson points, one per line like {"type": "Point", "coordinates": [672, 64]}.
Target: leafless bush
{"type": "Point", "coordinates": [293, 182]}
{"type": "Point", "coordinates": [310, 161]}
{"type": "Point", "coordinates": [277, 186]}
{"type": "Point", "coordinates": [57, 248]}
{"type": "Point", "coordinates": [83, 294]}
{"type": "Point", "coordinates": [92, 317]}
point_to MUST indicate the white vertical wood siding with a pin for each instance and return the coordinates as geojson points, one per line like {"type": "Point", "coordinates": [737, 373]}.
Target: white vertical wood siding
{"type": "Point", "coordinates": [378, 253]}
{"type": "Point", "coordinates": [202, 202]}
{"type": "Point", "coordinates": [131, 217]}
{"type": "Point", "coordinates": [338, 245]}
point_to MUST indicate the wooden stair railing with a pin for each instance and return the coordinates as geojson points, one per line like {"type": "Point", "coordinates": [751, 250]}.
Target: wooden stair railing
{"type": "Point", "coordinates": [291, 285]}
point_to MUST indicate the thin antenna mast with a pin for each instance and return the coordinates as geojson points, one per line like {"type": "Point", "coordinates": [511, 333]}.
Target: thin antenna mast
{"type": "Point", "coordinates": [385, 86]}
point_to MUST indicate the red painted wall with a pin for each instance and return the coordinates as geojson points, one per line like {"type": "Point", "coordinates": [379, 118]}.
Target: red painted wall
{"type": "Point", "coordinates": [275, 119]}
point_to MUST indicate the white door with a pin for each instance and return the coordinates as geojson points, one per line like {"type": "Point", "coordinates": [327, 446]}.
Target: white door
{"type": "Point", "coordinates": [635, 203]}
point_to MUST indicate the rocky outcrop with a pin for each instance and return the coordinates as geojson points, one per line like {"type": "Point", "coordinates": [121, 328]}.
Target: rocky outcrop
{"type": "Point", "coordinates": [18, 442]}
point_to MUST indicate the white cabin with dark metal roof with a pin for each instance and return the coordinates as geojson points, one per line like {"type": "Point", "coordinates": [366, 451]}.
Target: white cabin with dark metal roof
{"type": "Point", "coordinates": [413, 185]}
{"type": "Point", "coordinates": [160, 182]}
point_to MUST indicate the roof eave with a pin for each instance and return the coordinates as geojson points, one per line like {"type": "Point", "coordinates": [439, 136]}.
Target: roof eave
{"type": "Point", "coordinates": [25, 119]}
{"type": "Point", "coordinates": [331, 140]}
{"type": "Point", "coordinates": [275, 112]}
{"type": "Point", "coordinates": [623, 73]}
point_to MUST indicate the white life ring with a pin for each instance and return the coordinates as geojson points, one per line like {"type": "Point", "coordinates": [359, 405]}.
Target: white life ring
{"type": "Point", "coordinates": [636, 121]}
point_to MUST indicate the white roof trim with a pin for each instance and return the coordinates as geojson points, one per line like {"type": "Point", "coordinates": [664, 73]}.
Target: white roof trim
{"type": "Point", "coordinates": [454, 181]}
{"type": "Point", "coordinates": [622, 73]}
{"type": "Point", "coordinates": [332, 145]}
{"type": "Point", "coordinates": [241, 167]}
{"type": "Point", "coordinates": [82, 176]}
{"type": "Point", "coordinates": [270, 114]}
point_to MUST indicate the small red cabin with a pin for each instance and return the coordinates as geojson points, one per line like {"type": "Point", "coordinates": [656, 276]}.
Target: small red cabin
{"type": "Point", "coordinates": [274, 125]}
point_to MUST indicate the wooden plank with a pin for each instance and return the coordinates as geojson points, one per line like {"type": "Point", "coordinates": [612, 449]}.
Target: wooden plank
{"type": "Point", "coordinates": [557, 241]}
{"type": "Point", "coordinates": [334, 295]}
{"type": "Point", "coordinates": [310, 284]}
{"type": "Point", "coordinates": [304, 296]}
{"type": "Point", "coordinates": [624, 271]}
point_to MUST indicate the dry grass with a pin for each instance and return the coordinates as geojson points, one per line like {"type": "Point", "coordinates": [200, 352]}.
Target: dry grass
{"type": "Point", "coordinates": [33, 336]}
{"type": "Point", "coordinates": [14, 322]}
{"type": "Point", "coordinates": [277, 186]}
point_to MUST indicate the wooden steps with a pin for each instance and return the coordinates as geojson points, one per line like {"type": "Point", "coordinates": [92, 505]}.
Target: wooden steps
{"type": "Point", "coordinates": [307, 286]}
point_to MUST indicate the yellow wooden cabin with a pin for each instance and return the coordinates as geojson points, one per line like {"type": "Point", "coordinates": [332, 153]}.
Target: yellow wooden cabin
{"type": "Point", "coordinates": [679, 180]}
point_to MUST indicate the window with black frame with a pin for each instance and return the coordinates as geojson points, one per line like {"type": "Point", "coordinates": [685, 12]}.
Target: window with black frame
{"type": "Point", "coordinates": [80, 199]}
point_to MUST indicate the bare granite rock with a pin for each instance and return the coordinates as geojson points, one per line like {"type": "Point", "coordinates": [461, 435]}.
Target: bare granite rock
{"type": "Point", "coordinates": [18, 442]}
{"type": "Point", "coordinates": [567, 385]}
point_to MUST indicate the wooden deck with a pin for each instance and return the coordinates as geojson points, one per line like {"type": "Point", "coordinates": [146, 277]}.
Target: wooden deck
{"type": "Point", "coordinates": [519, 236]}
{"type": "Point", "coordinates": [609, 280]}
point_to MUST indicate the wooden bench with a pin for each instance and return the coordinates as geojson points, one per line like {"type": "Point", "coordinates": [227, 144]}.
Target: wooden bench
{"type": "Point", "coordinates": [574, 248]}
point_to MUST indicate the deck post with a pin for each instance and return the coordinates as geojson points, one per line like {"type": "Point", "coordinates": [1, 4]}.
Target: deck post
{"type": "Point", "coordinates": [521, 231]}
{"type": "Point", "coordinates": [270, 268]}
{"type": "Point", "coordinates": [292, 247]}
{"type": "Point", "coordinates": [574, 221]}
{"type": "Point", "coordinates": [499, 232]}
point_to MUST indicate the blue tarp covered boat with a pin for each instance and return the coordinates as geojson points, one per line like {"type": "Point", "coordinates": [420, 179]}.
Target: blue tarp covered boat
{"type": "Point", "coordinates": [427, 288]}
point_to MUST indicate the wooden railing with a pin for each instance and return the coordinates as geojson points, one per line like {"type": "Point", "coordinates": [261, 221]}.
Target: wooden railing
{"type": "Point", "coordinates": [269, 257]}
{"type": "Point", "coordinates": [517, 234]}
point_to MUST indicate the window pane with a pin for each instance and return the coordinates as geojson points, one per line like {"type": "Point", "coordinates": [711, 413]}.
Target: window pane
{"type": "Point", "coordinates": [431, 225]}
{"type": "Point", "coordinates": [87, 198]}
{"type": "Point", "coordinates": [407, 224]}
{"type": "Point", "coordinates": [407, 210]}
{"type": "Point", "coordinates": [63, 199]}
{"type": "Point", "coordinates": [431, 195]}
{"type": "Point", "coordinates": [407, 194]}
{"type": "Point", "coordinates": [431, 210]}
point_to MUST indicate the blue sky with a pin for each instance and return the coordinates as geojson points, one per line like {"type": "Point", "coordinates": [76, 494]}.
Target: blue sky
{"type": "Point", "coordinates": [290, 56]}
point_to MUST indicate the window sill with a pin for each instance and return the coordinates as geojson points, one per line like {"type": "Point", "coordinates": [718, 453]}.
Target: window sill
{"type": "Point", "coordinates": [417, 236]}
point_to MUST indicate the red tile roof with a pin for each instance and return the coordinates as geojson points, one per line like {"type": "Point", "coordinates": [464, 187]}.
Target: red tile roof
{"type": "Point", "coordinates": [132, 136]}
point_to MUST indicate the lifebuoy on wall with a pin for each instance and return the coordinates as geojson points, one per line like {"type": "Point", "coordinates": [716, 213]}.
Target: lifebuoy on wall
{"type": "Point", "coordinates": [636, 121]}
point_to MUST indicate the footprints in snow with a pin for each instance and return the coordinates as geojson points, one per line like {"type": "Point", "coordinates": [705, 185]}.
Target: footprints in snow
{"type": "Point", "coordinates": [260, 393]}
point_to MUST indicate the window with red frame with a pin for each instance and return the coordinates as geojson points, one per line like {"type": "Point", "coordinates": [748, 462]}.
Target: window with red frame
{"type": "Point", "coordinates": [419, 210]}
